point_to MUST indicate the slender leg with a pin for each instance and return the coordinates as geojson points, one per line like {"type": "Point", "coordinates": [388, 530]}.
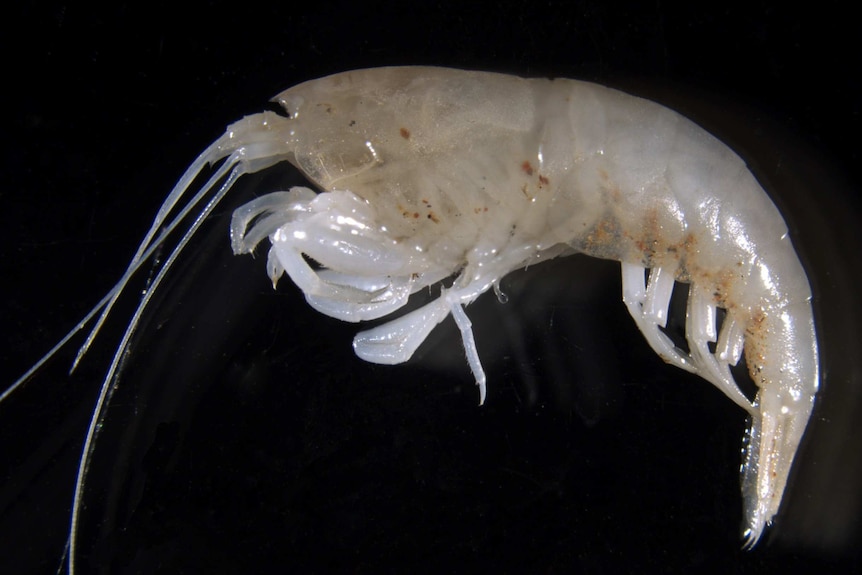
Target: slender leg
{"type": "Point", "coordinates": [466, 328]}
{"type": "Point", "coordinates": [256, 220]}
{"type": "Point", "coordinates": [700, 330]}
{"type": "Point", "coordinates": [648, 305]}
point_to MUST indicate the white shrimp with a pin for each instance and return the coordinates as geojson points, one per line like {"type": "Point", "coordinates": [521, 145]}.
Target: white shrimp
{"type": "Point", "coordinates": [428, 173]}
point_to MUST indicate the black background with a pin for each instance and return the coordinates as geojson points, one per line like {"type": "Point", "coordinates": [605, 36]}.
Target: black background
{"type": "Point", "coordinates": [246, 438]}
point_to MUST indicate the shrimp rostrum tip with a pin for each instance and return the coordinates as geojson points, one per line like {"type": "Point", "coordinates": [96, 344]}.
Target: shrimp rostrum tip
{"type": "Point", "coordinates": [424, 174]}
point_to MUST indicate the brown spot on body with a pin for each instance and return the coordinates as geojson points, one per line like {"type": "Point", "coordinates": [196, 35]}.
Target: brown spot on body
{"type": "Point", "coordinates": [646, 247]}
{"type": "Point", "coordinates": [724, 284]}
{"type": "Point", "coordinates": [756, 333]}
{"type": "Point", "coordinates": [603, 236]}
{"type": "Point", "coordinates": [527, 168]}
{"type": "Point", "coordinates": [405, 133]}
{"type": "Point", "coordinates": [404, 211]}
{"type": "Point", "coordinates": [543, 181]}
{"type": "Point", "coordinates": [690, 242]}
{"type": "Point", "coordinates": [756, 323]}
{"type": "Point", "coordinates": [433, 217]}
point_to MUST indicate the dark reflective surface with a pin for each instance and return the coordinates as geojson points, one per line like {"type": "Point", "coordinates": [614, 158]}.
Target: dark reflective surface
{"type": "Point", "coordinates": [244, 436]}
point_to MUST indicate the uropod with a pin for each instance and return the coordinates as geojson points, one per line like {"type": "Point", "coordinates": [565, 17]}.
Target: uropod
{"type": "Point", "coordinates": [429, 175]}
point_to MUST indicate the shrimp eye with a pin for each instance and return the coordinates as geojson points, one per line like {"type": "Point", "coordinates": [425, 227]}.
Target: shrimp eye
{"type": "Point", "coordinates": [278, 109]}
{"type": "Point", "coordinates": [291, 104]}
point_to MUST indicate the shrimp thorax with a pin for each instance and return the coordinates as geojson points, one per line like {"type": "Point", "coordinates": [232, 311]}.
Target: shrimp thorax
{"type": "Point", "coordinates": [363, 273]}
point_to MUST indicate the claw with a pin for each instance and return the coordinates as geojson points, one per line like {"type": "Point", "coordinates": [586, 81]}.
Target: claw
{"type": "Point", "coordinates": [396, 341]}
{"type": "Point", "coordinates": [274, 269]}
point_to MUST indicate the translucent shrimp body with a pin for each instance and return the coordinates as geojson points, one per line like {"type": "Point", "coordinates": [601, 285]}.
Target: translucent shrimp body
{"type": "Point", "coordinates": [428, 174]}
{"type": "Point", "coordinates": [431, 172]}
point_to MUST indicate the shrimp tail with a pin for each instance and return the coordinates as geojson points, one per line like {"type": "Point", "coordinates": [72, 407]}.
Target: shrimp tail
{"type": "Point", "coordinates": [772, 440]}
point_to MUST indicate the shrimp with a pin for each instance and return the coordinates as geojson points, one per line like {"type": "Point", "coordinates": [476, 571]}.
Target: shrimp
{"type": "Point", "coordinates": [429, 176]}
